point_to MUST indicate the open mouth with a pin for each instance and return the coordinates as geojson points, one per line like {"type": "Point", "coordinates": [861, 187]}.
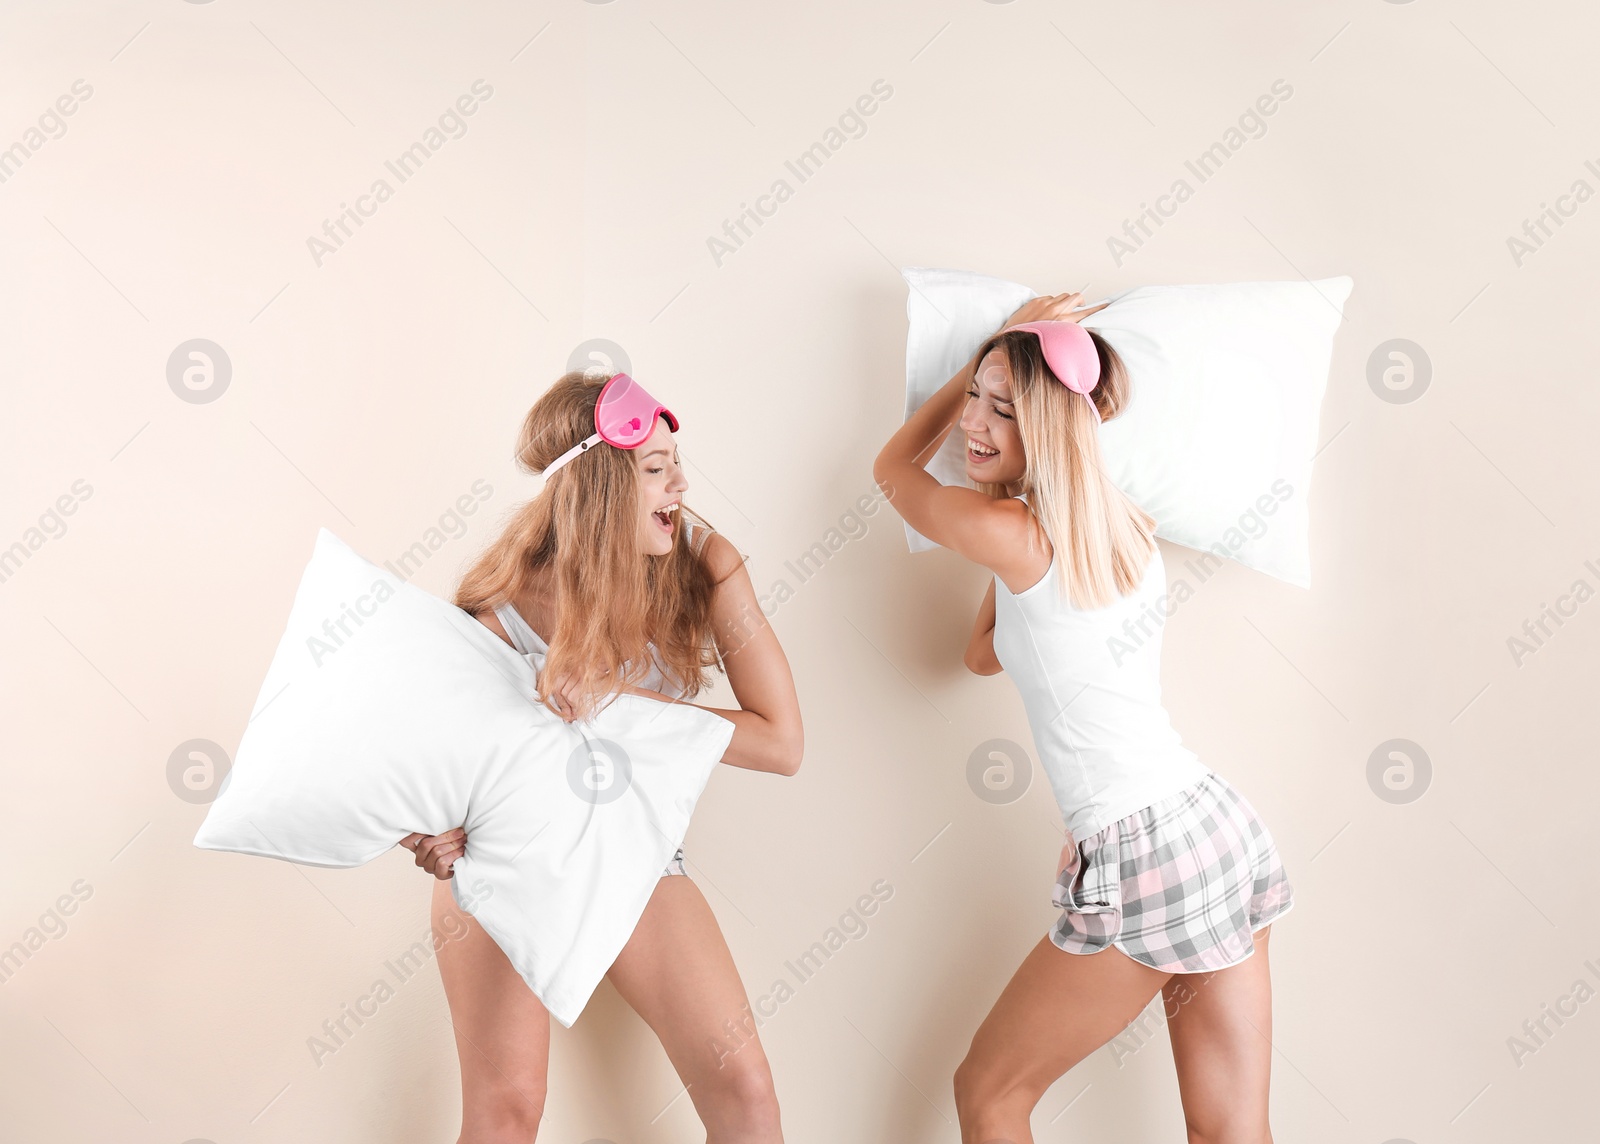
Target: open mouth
{"type": "Point", "coordinates": [978, 453]}
{"type": "Point", "coordinates": [663, 516]}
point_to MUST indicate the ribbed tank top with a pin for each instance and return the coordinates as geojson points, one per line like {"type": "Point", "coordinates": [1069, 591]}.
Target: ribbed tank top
{"type": "Point", "coordinates": [1090, 680]}
{"type": "Point", "coordinates": [529, 643]}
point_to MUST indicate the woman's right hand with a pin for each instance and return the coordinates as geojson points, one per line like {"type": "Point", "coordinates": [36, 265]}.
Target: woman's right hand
{"type": "Point", "coordinates": [1054, 308]}
{"type": "Point", "coordinates": [437, 853]}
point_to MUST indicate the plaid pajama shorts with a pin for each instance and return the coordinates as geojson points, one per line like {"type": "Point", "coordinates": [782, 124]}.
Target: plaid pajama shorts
{"type": "Point", "coordinates": [1179, 886]}
{"type": "Point", "coordinates": [675, 864]}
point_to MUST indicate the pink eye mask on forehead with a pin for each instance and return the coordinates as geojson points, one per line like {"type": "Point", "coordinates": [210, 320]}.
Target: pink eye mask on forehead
{"type": "Point", "coordinates": [624, 418]}
{"type": "Point", "coordinates": [1070, 354]}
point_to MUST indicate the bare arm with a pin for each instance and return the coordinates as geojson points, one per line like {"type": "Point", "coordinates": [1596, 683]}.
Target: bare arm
{"type": "Point", "coordinates": [980, 658]}
{"type": "Point", "coordinates": [767, 734]}
{"type": "Point", "coordinates": [961, 519]}
{"type": "Point", "coordinates": [984, 529]}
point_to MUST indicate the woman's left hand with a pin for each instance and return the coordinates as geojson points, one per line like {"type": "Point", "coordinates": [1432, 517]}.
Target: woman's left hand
{"type": "Point", "coordinates": [1053, 308]}
{"type": "Point", "coordinates": [563, 693]}
{"type": "Point", "coordinates": [437, 853]}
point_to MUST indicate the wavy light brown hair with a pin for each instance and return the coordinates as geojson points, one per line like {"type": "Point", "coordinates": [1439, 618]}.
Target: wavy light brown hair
{"type": "Point", "coordinates": [1103, 541]}
{"type": "Point", "coordinates": [612, 599]}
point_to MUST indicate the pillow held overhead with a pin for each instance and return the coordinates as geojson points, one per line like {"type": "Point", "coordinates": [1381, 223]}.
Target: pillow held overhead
{"type": "Point", "coordinates": [1226, 383]}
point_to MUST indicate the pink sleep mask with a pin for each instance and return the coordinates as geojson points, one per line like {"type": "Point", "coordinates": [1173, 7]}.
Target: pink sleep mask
{"type": "Point", "coordinates": [1070, 354]}
{"type": "Point", "coordinates": [624, 417]}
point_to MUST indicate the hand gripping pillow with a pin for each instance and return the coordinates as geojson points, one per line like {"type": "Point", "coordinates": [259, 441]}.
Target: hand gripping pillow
{"type": "Point", "coordinates": [1217, 437]}
{"type": "Point", "coordinates": [388, 710]}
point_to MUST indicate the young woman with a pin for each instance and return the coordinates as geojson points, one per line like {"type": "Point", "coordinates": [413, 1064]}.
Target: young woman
{"type": "Point", "coordinates": [1169, 881]}
{"type": "Point", "coordinates": [632, 597]}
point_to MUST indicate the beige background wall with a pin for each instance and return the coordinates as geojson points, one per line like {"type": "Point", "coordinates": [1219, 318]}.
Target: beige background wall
{"type": "Point", "coordinates": [371, 389]}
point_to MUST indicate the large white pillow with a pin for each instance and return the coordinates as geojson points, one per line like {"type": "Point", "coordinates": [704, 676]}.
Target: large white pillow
{"type": "Point", "coordinates": [388, 710]}
{"type": "Point", "coordinates": [1227, 381]}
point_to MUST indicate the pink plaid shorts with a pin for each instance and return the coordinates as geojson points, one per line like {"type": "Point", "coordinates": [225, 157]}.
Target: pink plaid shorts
{"type": "Point", "coordinates": [1179, 886]}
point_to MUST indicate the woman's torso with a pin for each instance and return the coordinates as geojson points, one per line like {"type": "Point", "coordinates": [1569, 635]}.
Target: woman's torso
{"type": "Point", "coordinates": [1090, 680]}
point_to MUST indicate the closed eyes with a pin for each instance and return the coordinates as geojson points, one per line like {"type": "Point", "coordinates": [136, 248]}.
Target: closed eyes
{"type": "Point", "coordinates": [973, 392]}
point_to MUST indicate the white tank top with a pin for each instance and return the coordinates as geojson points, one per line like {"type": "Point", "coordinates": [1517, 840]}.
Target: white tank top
{"type": "Point", "coordinates": [531, 644]}
{"type": "Point", "coordinates": [1091, 683]}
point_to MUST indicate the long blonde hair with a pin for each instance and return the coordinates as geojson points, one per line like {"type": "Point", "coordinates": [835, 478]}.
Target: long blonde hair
{"type": "Point", "coordinates": [1103, 541]}
{"type": "Point", "coordinates": [612, 600]}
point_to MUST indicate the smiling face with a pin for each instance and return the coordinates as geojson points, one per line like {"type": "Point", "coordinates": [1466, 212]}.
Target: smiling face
{"type": "Point", "coordinates": [661, 485]}
{"type": "Point", "coordinates": [994, 446]}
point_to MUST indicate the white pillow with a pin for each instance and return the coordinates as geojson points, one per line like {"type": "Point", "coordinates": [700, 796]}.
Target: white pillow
{"type": "Point", "coordinates": [1216, 440]}
{"type": "Point", "coordinates": [388, 710]}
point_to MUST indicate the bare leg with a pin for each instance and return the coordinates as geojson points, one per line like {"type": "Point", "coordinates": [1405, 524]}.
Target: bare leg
{"type": "Point", "coordinates": [678, 975]}
{"type": "Point", "coordinates": [1221, 1029]}
{"type": "Point", "coordinates": [1057, 1009]}
{"type": "Point", "coordinates": [502, 1030]}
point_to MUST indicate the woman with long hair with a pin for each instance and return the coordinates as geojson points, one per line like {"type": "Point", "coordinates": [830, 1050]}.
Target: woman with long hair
{"type": "Point", "coordinates": [1169, 881]}
{"type": "Point", "coordinates": [630, 595]}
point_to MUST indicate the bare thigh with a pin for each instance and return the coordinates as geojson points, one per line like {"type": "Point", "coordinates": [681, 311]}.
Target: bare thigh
{"type": "Point", "coordinates": [1221, 1029]}
{"type": "Point", "coordinates": [1056, 1010]}
{"type": "Point", "coordinates": [502, 1030]}
{"type": "Point", "coordinates": [677, 973]}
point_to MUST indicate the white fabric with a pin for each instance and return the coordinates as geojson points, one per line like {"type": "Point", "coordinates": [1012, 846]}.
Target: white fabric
{"type": "Point", "coordinates": [1090, 681]}
{"type": "Point", "coordinates": [387, 710]}
{"type": "Point", "coordinates": [1227, 381]}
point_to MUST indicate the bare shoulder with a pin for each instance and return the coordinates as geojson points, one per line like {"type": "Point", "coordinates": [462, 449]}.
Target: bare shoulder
{"type": "Point", "coordinates": [1018, 549]}
{"type": "Point", "coordinates": [1006, 524]}
{"type": "Point", "coordinates": [491, 621]}
{"type": "Point", "coordinates": [1011, 517]}
{"type": "Point", "coordinates": [721, 557]}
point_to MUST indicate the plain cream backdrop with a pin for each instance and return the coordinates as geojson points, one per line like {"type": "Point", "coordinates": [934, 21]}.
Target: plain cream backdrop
{"type": "Point", "coordinates": [370, 392]}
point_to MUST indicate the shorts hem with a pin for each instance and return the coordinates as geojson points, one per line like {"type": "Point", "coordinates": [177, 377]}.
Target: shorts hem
{"type": "Point", "coordinates": [1116, 943]}
{"type": "Point", "coordinates": [1255, 929]}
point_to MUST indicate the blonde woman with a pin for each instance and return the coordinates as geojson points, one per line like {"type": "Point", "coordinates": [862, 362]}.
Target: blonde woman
{"type": "Point", "coordinates": [1169, 880]}
{"type": "Point", "coordinates": [629, 595]}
